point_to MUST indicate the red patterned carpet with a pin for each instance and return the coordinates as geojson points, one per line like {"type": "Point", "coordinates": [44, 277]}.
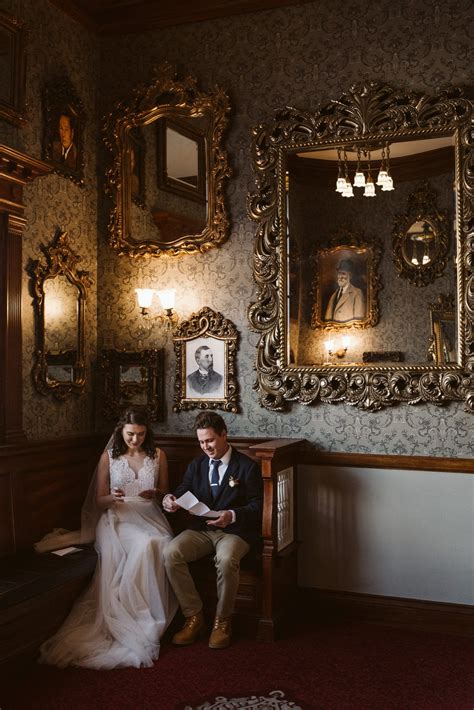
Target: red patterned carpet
{"type": "Point", "coordinates": [350, 666]}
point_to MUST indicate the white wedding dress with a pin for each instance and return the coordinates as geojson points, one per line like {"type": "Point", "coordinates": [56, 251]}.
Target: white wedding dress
{"type": "Point", "coordinates": [120, 618]}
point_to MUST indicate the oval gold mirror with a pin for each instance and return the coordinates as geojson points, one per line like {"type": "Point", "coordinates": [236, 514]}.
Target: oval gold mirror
{"type": "Point", "coordinates": [421, 238]}
{"type": "Point", "coordinates": [59, 292]}
{"type": "Point", "coordinates": [168, 168]}
{"type": "Point", "coordinates": [352, 323]}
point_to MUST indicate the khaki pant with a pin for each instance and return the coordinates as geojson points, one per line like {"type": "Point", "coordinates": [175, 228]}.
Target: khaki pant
{"type": "Point", "coordinates": [191, 545]}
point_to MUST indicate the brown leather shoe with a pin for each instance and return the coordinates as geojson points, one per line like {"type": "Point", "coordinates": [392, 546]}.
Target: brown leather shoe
{"type": "Point", "coordinates": [221, 633]}
{"type": "Point", "coordinates": [192, 629]}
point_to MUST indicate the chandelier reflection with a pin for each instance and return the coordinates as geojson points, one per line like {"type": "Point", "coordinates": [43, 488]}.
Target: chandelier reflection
{"type": "Point", "coordinates": [363, 173]}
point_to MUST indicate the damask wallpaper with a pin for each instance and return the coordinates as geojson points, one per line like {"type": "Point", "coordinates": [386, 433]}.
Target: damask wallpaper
{"type": "Point", "coordinates": [57, 47]}
{"type": "Point", "coordinates": [296, 56]}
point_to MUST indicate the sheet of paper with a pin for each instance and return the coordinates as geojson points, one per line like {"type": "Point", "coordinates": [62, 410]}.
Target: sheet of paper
{"type": "Point", "coordinates": [189, 502]}
{"type": "Point", "coordinates": [66, 551]}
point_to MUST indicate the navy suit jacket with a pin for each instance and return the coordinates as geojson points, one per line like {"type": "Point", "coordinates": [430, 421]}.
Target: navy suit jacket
{"type": "Point", "coordinates": [245, 498]}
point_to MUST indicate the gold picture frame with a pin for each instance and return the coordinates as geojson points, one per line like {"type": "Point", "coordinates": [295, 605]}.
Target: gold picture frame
{"type": "Point", "coordinates": [132, 379]}
{"type": "Point", "coordinates": [205, 348]}
{"type": "Point", "coordinates": [346, 283]}
{"type": "Point", "coordinates": [64, 121]}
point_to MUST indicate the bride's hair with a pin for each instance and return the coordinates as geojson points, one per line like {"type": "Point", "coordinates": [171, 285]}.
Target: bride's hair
{"type": "Point", "coordinates": [132, 416]}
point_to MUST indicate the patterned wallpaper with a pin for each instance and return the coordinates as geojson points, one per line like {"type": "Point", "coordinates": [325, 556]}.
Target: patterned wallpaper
{"type": "Point", "coordinates": [56, 47]}
{"type": "Point", "coordinates": [299, 56]}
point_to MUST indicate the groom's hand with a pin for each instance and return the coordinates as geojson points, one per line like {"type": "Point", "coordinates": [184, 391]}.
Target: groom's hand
{"type": "Point", "coordinates": [225, 518]}
{"type": "Point", "coordinates": [169, 504]}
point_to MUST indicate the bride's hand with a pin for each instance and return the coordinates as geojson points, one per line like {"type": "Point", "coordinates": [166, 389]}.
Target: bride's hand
{"type": "Point", "coordinates": [117, 495]}
{"type": "Point", "coordinates": [149, 494]}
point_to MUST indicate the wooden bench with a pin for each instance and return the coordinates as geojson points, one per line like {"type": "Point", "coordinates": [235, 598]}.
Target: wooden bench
{"type": "Point", "coordinates": [44, 485]}
{"type": "Point", "coordinates": [268, 580]}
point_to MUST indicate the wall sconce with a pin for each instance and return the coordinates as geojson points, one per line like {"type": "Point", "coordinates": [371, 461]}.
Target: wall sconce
{"type": "Point", "coordinates": [167, 298]}
{"type": "Point", "coordinates": [340, 352]}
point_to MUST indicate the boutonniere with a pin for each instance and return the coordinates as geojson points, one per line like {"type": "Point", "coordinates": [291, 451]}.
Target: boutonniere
{"type": "Point", "coordinates": [233, 481]}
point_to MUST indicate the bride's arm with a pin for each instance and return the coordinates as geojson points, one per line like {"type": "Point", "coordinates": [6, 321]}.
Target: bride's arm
{"type": "Point", "coordinates": [105, 499]}
{"type": "Point", "coordinates": [163, 482]}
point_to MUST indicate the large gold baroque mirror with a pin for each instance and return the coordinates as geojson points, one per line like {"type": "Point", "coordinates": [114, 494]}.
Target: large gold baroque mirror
{"type": "Point", "coordinates": [365, 213]}
{"type": "Point", "coordinates": [59, 295]}
{"type": "Point", "coordinates": [168, 168]}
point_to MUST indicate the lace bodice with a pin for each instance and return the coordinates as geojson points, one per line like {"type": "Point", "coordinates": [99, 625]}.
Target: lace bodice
{"type": "Point", "coordinates": [124, 477]}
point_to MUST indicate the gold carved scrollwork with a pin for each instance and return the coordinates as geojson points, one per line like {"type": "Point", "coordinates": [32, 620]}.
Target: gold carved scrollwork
{"type": "Point", "coordinates": [206, 329]}
{"type": "Point", "coordinates": [166, 97]}
{"type": "Point", "coordinates": [370, 113]}
{"type": "Point", "coordinates": [61, 371]}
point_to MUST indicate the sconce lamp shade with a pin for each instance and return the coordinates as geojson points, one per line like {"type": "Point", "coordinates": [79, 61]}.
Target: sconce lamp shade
{"type": "Point", "coordinates": [167, 298]}
{"type": "Point", "coordinates": [144, 297]}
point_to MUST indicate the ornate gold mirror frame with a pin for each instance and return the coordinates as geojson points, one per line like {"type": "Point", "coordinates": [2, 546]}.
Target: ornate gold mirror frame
{"type": "Point", "coordinates": [166, 97]}
{"type": "Point", "coordinates": [60, 371]}
{"type": "Point", "coordinates": [434, 237]}
{"type": "Point", "coordinates": [367, 114]}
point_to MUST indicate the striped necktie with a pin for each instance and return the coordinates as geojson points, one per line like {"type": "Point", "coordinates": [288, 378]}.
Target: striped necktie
{"type": "Point", "coordinates": [215, 477]}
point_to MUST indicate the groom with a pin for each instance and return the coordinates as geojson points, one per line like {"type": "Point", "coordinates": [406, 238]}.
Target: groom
{"type": "Point", "coordinates": [228, 482]}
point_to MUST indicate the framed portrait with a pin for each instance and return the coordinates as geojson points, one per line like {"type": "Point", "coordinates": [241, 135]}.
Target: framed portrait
{"type": "Point", "coordinates": [132, 379]}
{"type": "Point", "coordinates": [346, 283]}
{"type": "Point", "coordinates": [206, 348]}
{"type": "Point", "coordinates": [64, 120]}
{"type": "Point", "coordinates": [12, 69]}
{"type": "Point", "coordinates": [181, 158]}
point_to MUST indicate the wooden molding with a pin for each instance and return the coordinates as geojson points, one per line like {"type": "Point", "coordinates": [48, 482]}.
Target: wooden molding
{"type": "Point", "coordinates": [416, 463]}
{"type": "Point", "coordinates": [139, 15]}
{"type": "Point", "coordinates": [420, 614]}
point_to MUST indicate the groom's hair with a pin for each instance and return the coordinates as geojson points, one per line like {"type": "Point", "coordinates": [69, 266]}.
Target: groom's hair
{"type": "Point", "coordinates": [210, 420]}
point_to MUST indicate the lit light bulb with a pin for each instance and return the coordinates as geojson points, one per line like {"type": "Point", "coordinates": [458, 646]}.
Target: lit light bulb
{"type": "Point", "coordinates": [388, 184]}
{"type": "Point", "coordinates": [359, 179]}
{"type": "Point", "coordinates": [144, 297]}
{"type": "Point", "coordinates": [369, 190]}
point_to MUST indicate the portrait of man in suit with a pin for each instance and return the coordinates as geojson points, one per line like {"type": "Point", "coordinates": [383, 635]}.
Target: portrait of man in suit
{"type": "Point", "coordinates": [204, 381]}
{"type": "Point", "coordinates": [347, 302]}
{"type": "Point", "coordinates": [64, 150]}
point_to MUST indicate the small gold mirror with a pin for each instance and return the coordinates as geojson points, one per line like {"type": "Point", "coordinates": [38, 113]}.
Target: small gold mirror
{"type": "Point", "coordinates": [59, 294]}
{"type": "Point", "coordinates": [166, 180]}
{"type": "Point", "coordinates": [421, 238]}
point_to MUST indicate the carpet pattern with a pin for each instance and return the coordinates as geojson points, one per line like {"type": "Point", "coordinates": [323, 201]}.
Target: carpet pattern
{"type": "Point", "coordinates": [275, 700]}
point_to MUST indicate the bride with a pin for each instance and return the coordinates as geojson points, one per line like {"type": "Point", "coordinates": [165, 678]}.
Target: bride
{"type": "Point", "coordinates": [120, 618]}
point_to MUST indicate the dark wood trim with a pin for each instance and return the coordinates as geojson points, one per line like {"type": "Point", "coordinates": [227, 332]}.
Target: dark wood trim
{"type": "Point", "coordinates": [16, 170]}
{"type": "Point", "coordinates": [328, 604]}
{"type": "Point", "coordinates": [415, 463]}
{"type": "Point", "coordinates": [138, 16]}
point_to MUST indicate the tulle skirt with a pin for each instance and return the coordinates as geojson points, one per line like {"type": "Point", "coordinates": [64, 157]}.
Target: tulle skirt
{"type": "Point", "coordinates": [120, 618]}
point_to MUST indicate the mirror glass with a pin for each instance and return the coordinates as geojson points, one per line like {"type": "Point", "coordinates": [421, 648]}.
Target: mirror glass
{"type": "Point", "coordinates": [60, 291]}
{"type": "Point", "coordinates": [321, 228]}
{"type": "Point", "coordinates": [168, 168]}
{"type": "Point", "coordinates": [364, 212]}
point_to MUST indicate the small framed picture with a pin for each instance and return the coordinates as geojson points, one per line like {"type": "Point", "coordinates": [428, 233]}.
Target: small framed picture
{"type": "Point", "coordinates": [346, 285]}
{"type": "Point", "coordinates": [206, 347]}
{"type": "Point", "coordinates": [64, 120]}
{"type": "Point", "coordinates": [12, 69]}
{"type": "Point", "coordinates": [132, 379]}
